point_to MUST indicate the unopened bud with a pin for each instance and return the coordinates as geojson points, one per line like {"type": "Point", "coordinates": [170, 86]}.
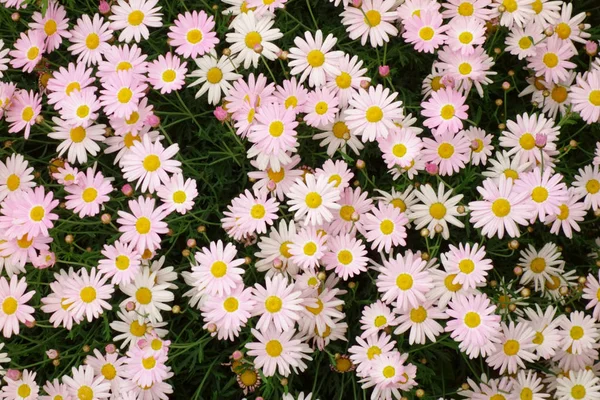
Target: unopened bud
{"type": "Point", "coordinates": [110, 348]}
{"type": "Point", "coordinates": [191, 243]}
{"type": "Point", "coordinates": [127, 190]}
{"type": "Point", "coordinates": [518, 270]}
{"type": "Point", "coordinates": [52, 354]}
{"type": "Point", "coordinates": [105, 218]}
{"type": "Point", "coordinates": [130, 306]}
{"type": "Point", "coordinates": [69, 239]}
{"type": "Point", "coordinates": [360, 164]}
{"type": "Point", "coordinates": [591, 48]}
{"type": "Point", "coordinates": [384, 71]}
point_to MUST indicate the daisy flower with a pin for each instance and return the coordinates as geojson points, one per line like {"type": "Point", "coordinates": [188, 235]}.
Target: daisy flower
{"type": "Point", "coordinates": [585, 96]}
{"type": "Point", "coordinates": [308, 248]}
{"type": "Point", "coordinates": [229, 313]}
{"type": "Point", "coordinates": [217, 269]}
{"type": "Point", "coordinates": [583, 384]}
{"type": "Point", "coordinates": [571, 212]}
{"type": "Point", "coordinates": [366, 350]}
{"type": "Point", "coordinates": [123, 58]}
{"type": "Point", "coordinates": [591, 292]}
{"type": "Point", "coordinates": [372, 114]}
{"type": "Point", "coordinates": [579, 332]}
{"type": "Point", "coordinates": [54, 23]}
{"type": "Point", "coordinates": [86, 384]}
{"type": "Point", "coordinates": [468, 263]}
{"type": "Point", "coordinates": [65, 81]}
{"type": "Point", "coordinates": [476, 9]}
{"type": "Point", "coordinates": [149, 164]}
{"type": "Point", "coordinates": [121, 94]}
{"type": "Point", "coordinates": [404, 280]}
{"type": "Point", "coordinates": [373, 20]}
{"type": "Point", "coordinates": [77, 141]}
{"type": "Point", "coordinates": [55, 390]}
{"type": "Point", "coordinates": [135, 124]}
{"type": "Point", "coordinates": [313, 59]}
{"type": "Point", "coordinates": [177, 194]}
{"type": "Point", "coordinates": [30, 214]}
{"type": "Point", "coordinates": [505, 165]}
{"type": "Point", "coordinates": [336, 172]}
{"type": "Point", "coordinates": [292, 94]}
{"type": "Point", "coordinates": [192, 34]}
{"type": "Point", "coordinates": [384, 227]}
{"type": "Point", "coordinates": [385, 374]}
{"type": "Point", "coordinates": [80, 108]}
{"type": "Point", "coordinates": [214, 74]}
{"type": "Point", "coordinates": [513, 12]}
{"type": "Point", "coordinates": [445, 111]}
{"type": "Point", "coordinates": [134, 18]}
{"type": "Point", "coordinates": [149, 296]}
{"type": "Point", "coordinates": [90, 39]}
{"type": "Point", "coordinates": [283, 179]}
{"type": "Point", "coordinates": [130, 330]}
{"type": "Point", "coordinates": [336, 136]}
{"type": "Point", "coordinates": [473, 324]}
{"type": "Point", "coordinates": [89, 194]}
{"type": "Point", "coordinates": [321, 312]}
{"type": "Point", "coordinates": [276, 351]}
{"type": "Point", "coordinates": [121, 263]}
{"type": "Point", "coordinates": [110, 366]}
{"type": "Point", "coordinates": [278, 304]}
{"type": "Point", "coordinates": [14, 305]}
{"type": "Point", "coordinates": [483, 142]}
{"type": "Point", "coordinates": [464, 34]}
{"type": "Point", "coordinates": [253, 91]}
{"type": "Point", "coordinates": [23, 112]}
{"type": "Point", "coordinates": [321, 107]}
{"type": "Point", "coordinates": [375, 318]}
{"type": "Point", "coordinates": [500, 209]}
{"type": "Point", "coordinates": [143, 225]}
{"type": "Point", "coordinates": [467, 70]}
{"type": "Point", "coordinates": [540, 266]}
{"type": "Point", "coordinates": [252, 38]}
{"type": "Point", "coordinates": [570, 28]}
{"type": "Point", "coordinates": [437, 209]}
{"type": "Point", "coordinates": [348, 81]}
{"type": "Point", "coordinates": [346, 256]}
{"type": "Point", "coordinates": [425, 32]}
{"type": "Point", "coordinates": [521, 41]}
{"type": "Point", "coordinates": [421, 321]}
{"type": "Point", "coordinates": [516, 346]}
{"type": "Point", "coordinates": [314, 200]}
{"type": "Point", "coordinates": [587, 185]}
{"type": "Point", "coordinates": [167, 73]}
{"type": "Point", "coordinates": [29, 49]}
{"type": "Point", "coordinates": [546, 191]}
{"type": "Point", "coordinates": [87, 293]}
{"type": "Point", "coordinates": [401, 200]}
{"type": "Point", "coordinates": [544, 324]}
{"type": "Point", "coordinates": [15, 175]}
{"type": "Point", "coordinates": [276, 246]}
{"type": "Point", "coordinates": [552, 60]}
{"type": "Point", "coordinates": [145, 369]}
{"type": "Point", "coordinates": [23, 388]}
{"type": "Point", "coordinates": [546, 11]}
{"type": "Point", "coordinates": [527, 384]}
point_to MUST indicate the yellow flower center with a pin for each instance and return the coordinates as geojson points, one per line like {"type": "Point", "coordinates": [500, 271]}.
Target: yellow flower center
{"type": "Point", "coordinates": [436, 83]}
{"type": "Point", "coordinates": [149, 362]}
{"type": "Point", "coordinates": [501, 208]}
{"type": "Point", "coordinates": [135, 18]}
{"type": "Point", "coordinates": [313, 200]}
{"type": "Point", "coordinates": [426, 33]}
{"type": "Point", "coordinates": [537, 6]}
{"type": "Point", "coordinates": [87, 294]}
{"type": "Point", "coordinates": [50, 27]}
{"type": "Point", "coordinates": [252, 39]}
{"type": "Point", "coordinates": [399, 150]}
{"type": "Point", "coordinates": [284, 249]}
{"type": "Point", "coordinates": [83, 111]}
{"type": "Point", "coordinates": [169, 75]}
{"type": "Point", "coordinates": [399, 203]}
{"type": "Point", "coordinates": [151, 163]}
{"type": "Point", "coordinates": [404, 281]}
{"type": "Point", "coordinates": [179, 197]}
{"type": "Point", "coordinates": [553, 283]}
{"type": "Point", "coordinates": [563, 30]}
{"type": "Point", "coordinates": [37, 213]}
{"type": "Point", "coordinates": [380, 320]}
{"type": "Point", "coordinates": [340, 129]}
{"type": "Point", "coordinates": [10, 305]}
{"type": "Point", "coordinates": [373, 351]}
{"type": "Point", "coordinates": [128, 139]}
{"type": "Point", "coordinates": [315, 58]}
{"type": "Point", "coordinates": [538, 265]}
{"type": "Point", "coordinates": [539, 194]}
{"type": "Point", "coordinates": [194, 36]}
{"type": "Point", "coordinates": [231, 304]}
{"type": "Point", "coordinates": [525, 42]}
{"type": "Point", "coordinates": [77, 134]}
{"type": "Point", "coordinates": [550, 59]}
{"type": "Point", "coordinates": [346, 212]}
{"type": "Point", "coordinates": [258, 211]}
{"type": "Point", "coordinates": [578, 392]}
{"type": "Point", "coordinates": [447, 112]}
{"type": "Point", "coordinates": [124, 95]}
{"type": "Point", "coordinates": [466, 266]}
{"type": "Point", "coordinates": [472, 319]}
{"type": "Point", "coordinates": [576, 332]}
{"type": "Point", "coordinates": [33, 52]}
{"type": "Point", "coordinates": [92, 41]}
{"type": "Point", "coordinates": [511, 173]}
{"type": "Point", "coordinates": [510, 5]}
{"type": "Point", "coordinates": [274, 348]}
{"type": "Point", "coordinates": [342, 364]}
{"type": "Point", "coordinates": [343, 80]}
{"type": "Point", "coordinates": [276, 128]}
{"type": "Point", "coordinates": [389, 371]}
{"type": "Point", "coordinates": [418, 315]}
{"type": "Point", "coordinates": [559, 94]}
{"type": "Point", "coordinates": [214, 75]}
{"type": "Point", "coordinates": [511, 347]}
{"type": "Point", "coordinates": [451, 286]}
{"type": "Point", "coordinates": [309, 248]}
{"type": "Point", "coordinates": [143, 225]}
{"type": "Point", "coordinates": [465, 37]}
{"type": "Point", "coordinates": [386, 227]}
{"type": "Point", "coordinates": [249, 378]}
{"type": "Point", "coordinates": [335, 178]}
{"type": "Point", "coordinates": [124, 66]}
{"type": "Point", "coordinates": [137, 329]}
{"type": "Point", "coordinates": [24, 390]}
{"type": "Point", "coordinates": [465, 9]}
{"type": "Point", "coordinates": [108, 371]}
{"type": "Point", "coordinates": [437, 210]}
{"type": "Point", "coordinates": [321, 107]}
{"type": "Point", "coordinates": [24, 243]}
{"type": "Point", "coordinates": [372, 18]}
{"type": "Point", "coordinates": [122, 262]}
{"type": "Point", "coordinates": [316, 310]}
{"type": "Point", "coordinates": [594, 97]}
{"type": "Point", "coordinates": [592, 186]}
{"type": "Point", "coordinates": [539, 338]}
{"type": "Point", "coordinates": [218, 269]}
{"type": "Point", "coordinates": [465, 69]}
{"type": "Point", "coordinates": [143, 295]}
{"type": "Point", "coordinates": [374, 114]}
{"type": "Point", "coordinates": [345, 257]}
{"type": "Point", "coordinates": [291, 101]}
{"type": "Point", "coordinates": [27, 114]}
{"type": "Point", "coordinates": [564, 212]}
{"type": "Point", "coordinates": [273, 304]}
{"type": "Point", "coordinates": [13, 182]}
{"type": "Point", "coordinates": [89, 195]}
{"type": "Point", "coordinates": [85, 393]}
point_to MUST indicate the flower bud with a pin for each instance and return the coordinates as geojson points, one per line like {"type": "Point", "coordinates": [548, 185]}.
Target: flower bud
{"type": "Point", "coordinates": [360, 164]}
{"type": "Point", "coordinates": [384, 71]}
{"type": "Point", "coordinates": [110, 348]}
{"type": "Point", "coordinates": [104, 7]}
{"type": "Point", "coordinates": [227, 52]}
{"type": "Point", "coordinates": [271, 186]}
{"type": "Point", "coordinates": [69, 239]}
{"type": "Point", "coordinates": [176, 309]}
{"type": "Point", "coordinates": [365, 84]}
{"type": "Point", "coordinates": [591, 48]}
{"type": "Point", "coordinates": [431, 168]}
{"type": "Point", "coordinates": [52, 354]}
{"type": "Point", "coordinates": [153, 120]}
{"type": "Point", "coordinates": [505, 85]}
{"type": "Point", "coordinates": [15, 16]}
{"type": "Point", "coordinates": [127, 190]}
{"type": "Point", "coordinates": [186, 253]}
{"type": "Point", "coordinates": [191, 243]}
{"type": "Point", "coordinates": [130, 306]}
{"type": "Point", "coordinates": [258, 48]}
{"type": "Point", "coordinates": [13, 374]}
{"type": "Point", "coordinates": [518, 270]}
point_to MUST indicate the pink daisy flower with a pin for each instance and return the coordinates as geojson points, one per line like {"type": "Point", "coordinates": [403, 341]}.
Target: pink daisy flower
{"type": "Point", "coordinates": [143, 225]}
{"type": "Point", "coordinates": [266, 6]}
{"type": "Point", "coordinates": [167, 73]}
{"type": "Point", "coordinates": [469, 264]}
{"type": "Point", "coordinates": [373, 20]}
{"type": "Point", "coordinates": [217, 270]}
{"type": "Point", "coordinates": [587, 185]}
{"type": "Point", "coordinates": [348, 81]}
{"type": "Point", "coordinates": [405, 280]}
{"type": "Point", "coordinates": [80, 108]}
{"type": "Point", "coordinates": [520, 138]}
{"type": "Point", "coordinates": [552, 60]}
{"type": "Point", "coordinates": [121, 263]}
{"type": "Point", "coordinates": [192, 34]}
{"type": "Point", "coordinates": [313, 200]}
{"type": "Point", "coordinates": [308, 248]}
{"type": "Point", "coordinates": [91, 192]}
{"type": "Point", "coordinates": [572, 211]}
{"type": "Point", "coordinates": [23, 111]}
{"type": "Point", "coordinates": [278, 304]}
{"type": "Point", "coordinates": [14, 305]}
{"type": "Point", "coordinates": [336, 172]}
{"type": "Point", "coordinates": [54, 23]}
{"type": "Point", "coordinates": [121, 94]}
{"type": "Point", "coordinates": [467, 70]}
{"type": "Point", "coordinates": [465, 34]}
{"type": "Point", "coordinates": [385, 227]}
{"type": "Point", "coordinates": [516, 345]}
{"type": "Point", "coordinates": [481, 145]}
{"type": "Point", "coordinates": [123, 58]}
{"type": "Point", "coordinates": [473, 324]}
{"type": "Point", "coordinates": [136, 122]}
{"type": "Point", "coordinates": [313, 59]}
{"type": "Point", "coordinates": [29, 214]}
{"type": "Point", "coordinates": [255, 212]}
{"type": "Point", "coordinates": [23, 388]}
{"type": "Point", "coordinates": [321, 107]}
{"type": "Point", "coordinates": [145, 369]}
{"type": "Point", "coordinates": [65, 81]}
{"type": "Point", "coordinates": [229, 313]}
{"type": "Point", "coordinates": [88, 293]}
{"type": "Point", "coordinates": [22, 250]}
{"type": "Point", "coordinates": [400, 147]}
{"type": "Point", "coordinates": [425, 32]}
{"type": "Point", "coordinates": [291, 94]}
{"type": "Point", "coordinates": [354, 205]}
{"type": "Point", "coordinates": [546, 192]}
{"type": "Point", "coordinates": [149, 164]}
{"type": "Point", "coordinates": [585, 96]}
{"type": "Point", "coordinates": [450, 152]}
{"type": "Point", "coordinates": [372, 113]}
{"type": "Point", "coordinates": [90, 39]}
{"type": "Point", "coordinates": [445, 111]}
{"type": "Point", "coordinates": [29, 48]}
{"type": "Point", "coordinates": [477, 9]}
{"type": "Point", "coordinates": [177, 194]}
{"type": "Point", "coordinates": [368, 349]}
{"type": "Point", "coordinates": [421, 321]}
{"type": "Point", "coordinates": [253, 91]}
{"type": "Point", "coordinates": [375, 318]}
{"type": "Point", "coordinates": [15, 175]}
{"type": "Point", "coordinates": [346, 255]}
{"type": "Point", "coordinates": [283, 179]}
{"type": "Point", "coordinates": [84, 381]}
{"type": "Point", "coordinates": [501, 208]}
{"type": "Point", "coordinates": [134, 18]}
